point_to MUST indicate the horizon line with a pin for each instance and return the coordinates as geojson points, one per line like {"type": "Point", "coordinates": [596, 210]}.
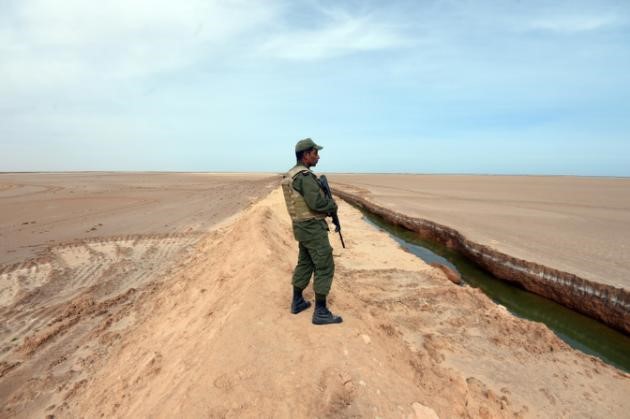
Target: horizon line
{"type": "Point", "coordinates": [330, 172]}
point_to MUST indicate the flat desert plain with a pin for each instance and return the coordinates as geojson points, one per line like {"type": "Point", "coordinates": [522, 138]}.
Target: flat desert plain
{"type": "Point", "coordinates": [161, 295]}
{"type": "Point", "coordinates": [38, 210]}
{"type": "Point", "coordinates": [578, 225]}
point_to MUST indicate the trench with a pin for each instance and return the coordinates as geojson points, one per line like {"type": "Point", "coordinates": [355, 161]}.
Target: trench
{"type": "Point", "coordinates": [578, 330]}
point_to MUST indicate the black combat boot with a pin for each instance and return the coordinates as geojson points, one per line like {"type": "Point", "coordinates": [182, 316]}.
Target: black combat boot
{"type": "Point", "coordinates": [298, 304]}
{"type": "Point", "coordinates": [321, 314]}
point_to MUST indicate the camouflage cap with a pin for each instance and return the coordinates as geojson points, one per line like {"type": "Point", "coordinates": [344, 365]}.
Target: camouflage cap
{"type": "Point", "coordinates": [305, 144]}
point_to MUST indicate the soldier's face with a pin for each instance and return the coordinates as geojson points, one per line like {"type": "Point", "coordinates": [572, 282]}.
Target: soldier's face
{"type": "Point", "coordinates": [312, 157]}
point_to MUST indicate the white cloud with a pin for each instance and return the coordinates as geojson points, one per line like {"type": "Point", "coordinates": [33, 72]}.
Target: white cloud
{"type": "Point", "coordinates": [51, 43]}
{"type": "Point", "coordinates": [572, 24]}
{"type": "Point", "coordinates": [76, 22]}
{"type": "Point", "coordinates": [346, 34]}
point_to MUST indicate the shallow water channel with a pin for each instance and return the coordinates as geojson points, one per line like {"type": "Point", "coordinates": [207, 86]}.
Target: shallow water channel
{"type": "Point", "coordinates": [579, 331]}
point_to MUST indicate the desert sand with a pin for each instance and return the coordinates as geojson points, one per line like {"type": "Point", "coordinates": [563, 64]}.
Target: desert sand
{"type": "Point", "coordinates": [573, 224]}
{"type": "Point", "coordinates": [205, 331]}
{"type": "Point", "coordinates": [38, 210]}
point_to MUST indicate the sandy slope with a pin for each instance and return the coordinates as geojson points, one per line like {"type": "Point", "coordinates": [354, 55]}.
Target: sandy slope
{"type": "Point", "coordinates": [83, 280]}
{"type": "Point", "coordinates": [214, 338]}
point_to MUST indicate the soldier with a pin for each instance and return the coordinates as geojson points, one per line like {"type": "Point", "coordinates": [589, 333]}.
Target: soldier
{"type": "Point", "coordinates": [308, 207]}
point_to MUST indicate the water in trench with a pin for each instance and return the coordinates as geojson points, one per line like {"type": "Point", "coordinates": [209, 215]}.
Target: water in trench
{"type": "Point", "coordinates": [579, 331]}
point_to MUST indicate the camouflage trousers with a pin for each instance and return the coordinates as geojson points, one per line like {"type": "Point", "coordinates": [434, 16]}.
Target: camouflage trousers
{"type": "Point", "coordinates": [315, 256]}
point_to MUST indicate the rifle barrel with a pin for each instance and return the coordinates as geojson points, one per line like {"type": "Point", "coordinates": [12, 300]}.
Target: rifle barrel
{"type": "Point", "coordinates": [335, 217]}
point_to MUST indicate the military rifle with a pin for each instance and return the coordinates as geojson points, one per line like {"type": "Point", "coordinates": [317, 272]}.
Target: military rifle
{"type": "Point", "coordinates": [335, 217]}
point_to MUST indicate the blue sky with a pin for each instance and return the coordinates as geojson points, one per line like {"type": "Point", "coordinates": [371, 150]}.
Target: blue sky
{"type": "Point", "coordinates": [504, 87]}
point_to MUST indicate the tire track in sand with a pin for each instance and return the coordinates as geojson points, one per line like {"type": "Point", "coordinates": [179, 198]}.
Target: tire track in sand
{"type": "Point", "coordinates": [73, 294]}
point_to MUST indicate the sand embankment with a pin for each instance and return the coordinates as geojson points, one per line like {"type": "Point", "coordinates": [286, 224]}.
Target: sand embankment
{"type": "Point", "coordinates": [214, 337]}
{"type": "Point", "coordinates": [521, 229]}
{"type": "Point", "coordinates": [75, 247]}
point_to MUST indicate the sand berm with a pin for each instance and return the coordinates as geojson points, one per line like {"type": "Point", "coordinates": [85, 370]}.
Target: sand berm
{"type": "Point", "coordinates": [214, 338]}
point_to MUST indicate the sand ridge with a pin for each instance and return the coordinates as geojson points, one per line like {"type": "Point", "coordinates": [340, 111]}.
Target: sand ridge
{"type": "Point", "coordinates": [214, 338]}
{"type": "Point", "coordinates": [86, 280]}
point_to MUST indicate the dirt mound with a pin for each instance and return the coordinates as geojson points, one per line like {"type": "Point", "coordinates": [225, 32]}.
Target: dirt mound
{"type": "Point", "coordinates": [214, 338]}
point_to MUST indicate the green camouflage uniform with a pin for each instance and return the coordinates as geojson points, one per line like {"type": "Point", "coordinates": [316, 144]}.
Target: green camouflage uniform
{"type": "Point", "coordinates": [315, 253]}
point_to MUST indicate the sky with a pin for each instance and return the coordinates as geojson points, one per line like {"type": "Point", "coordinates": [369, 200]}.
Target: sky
{"type": "Point", "coordinates": [443, 86]}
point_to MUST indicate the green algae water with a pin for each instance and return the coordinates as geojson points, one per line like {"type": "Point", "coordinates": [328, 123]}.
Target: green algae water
{"type": "Point", "coordinates": [579, 331]}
